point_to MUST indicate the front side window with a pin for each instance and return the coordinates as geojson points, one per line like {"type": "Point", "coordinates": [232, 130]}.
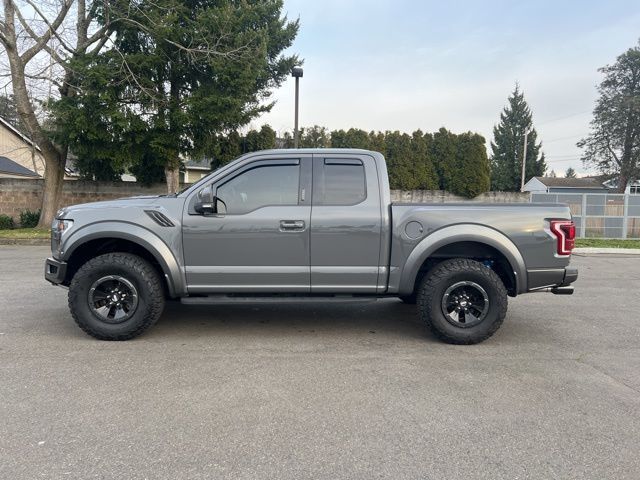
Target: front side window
{"type": "Point", "coordinates": [260, 187]}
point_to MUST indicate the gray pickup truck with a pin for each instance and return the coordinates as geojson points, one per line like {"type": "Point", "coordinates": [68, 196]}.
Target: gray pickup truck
{"type": "Point", "coordinates": [305, 223]}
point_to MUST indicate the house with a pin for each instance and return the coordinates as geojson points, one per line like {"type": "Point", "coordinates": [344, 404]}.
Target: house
{"type": "Point", "coordinates": [633, 187]}
{"type": "Point", "coordinates": [565, 185]}
{"type": "Point", "coordinates": [19, 156]}
{"type": "Point", "coordinates": [194, 170]}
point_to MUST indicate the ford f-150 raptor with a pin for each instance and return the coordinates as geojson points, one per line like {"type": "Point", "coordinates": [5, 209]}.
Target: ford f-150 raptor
{"type": "Point", "coordinates": [306, 223]}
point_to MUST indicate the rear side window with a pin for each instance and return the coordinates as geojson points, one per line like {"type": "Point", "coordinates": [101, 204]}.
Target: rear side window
{"type": "Point", "coordinates": [340, 182]}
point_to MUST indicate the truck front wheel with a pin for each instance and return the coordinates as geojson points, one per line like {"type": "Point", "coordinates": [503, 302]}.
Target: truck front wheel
{"type": "Point", "coordinates": [116, 296]}
{"type": "Point", "coordinates": [462, 301]}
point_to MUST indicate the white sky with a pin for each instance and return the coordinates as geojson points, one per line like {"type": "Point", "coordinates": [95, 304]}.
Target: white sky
{"type": "Point", "coordinates": [404, 65]}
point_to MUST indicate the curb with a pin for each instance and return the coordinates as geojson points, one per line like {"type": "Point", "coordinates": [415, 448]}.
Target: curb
{"type": "Point", "coordinates": [605, 251]}
{"type": "Point", "coordinates": [25, 241]}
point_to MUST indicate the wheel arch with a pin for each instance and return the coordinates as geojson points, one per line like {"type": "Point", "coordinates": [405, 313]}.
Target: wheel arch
{"type": "Point", "coordinates": [95, 240]}
{"type": "Point", "coordinates": [466, 241]}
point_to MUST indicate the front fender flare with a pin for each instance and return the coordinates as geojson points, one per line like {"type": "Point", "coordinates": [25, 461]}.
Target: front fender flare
{"type": "Point", "coordinates": [136, 234]}
{"type": "Point", "coordinates": [463, 233]}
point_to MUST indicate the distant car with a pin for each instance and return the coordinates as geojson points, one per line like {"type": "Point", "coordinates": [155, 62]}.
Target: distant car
{"type": "Point", "coordinates": [313, 223]}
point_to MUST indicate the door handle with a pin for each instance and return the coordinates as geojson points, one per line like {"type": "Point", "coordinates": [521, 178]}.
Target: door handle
{"type": "Point", "coordinates": [292, 225]}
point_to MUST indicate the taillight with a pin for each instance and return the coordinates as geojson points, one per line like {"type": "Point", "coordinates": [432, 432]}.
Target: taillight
{"type": "Point", "coordinates": [565, 232]}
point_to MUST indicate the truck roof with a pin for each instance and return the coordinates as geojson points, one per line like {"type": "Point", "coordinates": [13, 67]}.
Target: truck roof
{"type": "Point", "coordinates": [289, 151]}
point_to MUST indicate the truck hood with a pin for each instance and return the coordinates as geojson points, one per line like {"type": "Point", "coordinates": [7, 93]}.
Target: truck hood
{"type": "Point", "coordinates": [141, 202]}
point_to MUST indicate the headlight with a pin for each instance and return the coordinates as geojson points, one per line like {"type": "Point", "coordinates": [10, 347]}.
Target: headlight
{"type": "Point", "coordinates": [58, 228]}
{"type": "Point", "coordinates": [61, 225]}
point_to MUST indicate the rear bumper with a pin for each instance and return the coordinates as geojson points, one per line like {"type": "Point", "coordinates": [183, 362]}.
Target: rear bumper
{"type": "Point", "coordinates": [570, 276]}
{"type": "Point", "coordinates": [55, 271]}
{"type": "Point", "coordinates": [556, 280]}
{"type": "Point", "coordinates": [565, 288]}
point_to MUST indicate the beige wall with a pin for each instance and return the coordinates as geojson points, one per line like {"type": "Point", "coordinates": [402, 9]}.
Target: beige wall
{"type": "Point", "coordinates": [192, 176]}
{"type": "Point", "coordinates": [15, 148]}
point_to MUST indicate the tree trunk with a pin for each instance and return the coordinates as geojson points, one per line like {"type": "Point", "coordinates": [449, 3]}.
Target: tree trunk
{"type": "Point", "coordinates": [622, 182]}
{"type": "Point", "coordinates": [53, 181]}
{"type": "Point", "coordinates": [173, 178]}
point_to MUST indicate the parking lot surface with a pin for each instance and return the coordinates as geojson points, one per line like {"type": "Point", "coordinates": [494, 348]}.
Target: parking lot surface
{"type": "Point", "coordinates": [321, 390]}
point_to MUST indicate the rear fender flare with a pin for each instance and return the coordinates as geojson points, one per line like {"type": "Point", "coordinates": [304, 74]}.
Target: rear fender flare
{"type": "Point", "coordinates": [463, 233]}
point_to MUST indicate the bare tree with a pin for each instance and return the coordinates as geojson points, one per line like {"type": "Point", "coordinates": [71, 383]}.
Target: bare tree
{"type": "Point", "coordinates": [613, 145]}
{"type": "Point", "coordinates": [39, 39]}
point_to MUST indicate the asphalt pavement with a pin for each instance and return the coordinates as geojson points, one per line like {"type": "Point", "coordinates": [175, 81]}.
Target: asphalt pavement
{"type": "Point", "coordinates": [321, 390]}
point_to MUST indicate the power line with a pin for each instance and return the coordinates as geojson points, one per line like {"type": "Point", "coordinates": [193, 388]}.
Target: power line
{"type": "Point", "coordinates": [561, 138]}
{"type": "Point", "coordinates": [563, 160]}
{"type": "Point", "coordinates": [569, 155]}
{"type": "Point", "coordinates": [563, 118]}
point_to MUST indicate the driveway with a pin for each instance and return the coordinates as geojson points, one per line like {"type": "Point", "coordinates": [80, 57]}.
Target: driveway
{"type": "Point", "coordinates": [321, 390]}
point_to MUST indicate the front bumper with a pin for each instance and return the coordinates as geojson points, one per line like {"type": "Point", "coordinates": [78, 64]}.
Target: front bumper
{"type": "Point", "coordinates": [55, 271]}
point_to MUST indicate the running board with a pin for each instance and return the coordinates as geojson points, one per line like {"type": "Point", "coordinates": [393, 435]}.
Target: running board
{"type": "Point", "coordinates": [231, 300]}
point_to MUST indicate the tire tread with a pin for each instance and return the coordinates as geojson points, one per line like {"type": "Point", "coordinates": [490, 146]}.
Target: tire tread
{"type": "Point", "coordinates": [439, 274]}
{"type": "Point", "coordinates": [152, 282]}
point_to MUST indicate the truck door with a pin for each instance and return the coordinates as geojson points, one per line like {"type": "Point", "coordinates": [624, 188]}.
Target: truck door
{"type": "Point", "coordinates": [259, 239]}
{"type": "Point", "coordinates": [345, 224]}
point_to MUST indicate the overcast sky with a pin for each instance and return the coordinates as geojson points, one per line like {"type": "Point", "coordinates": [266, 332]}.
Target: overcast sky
{"type": "Point", "coordinates": [404, 65]}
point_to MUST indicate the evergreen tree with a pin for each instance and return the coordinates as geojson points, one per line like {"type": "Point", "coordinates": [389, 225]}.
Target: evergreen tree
{"type": "Point", "coordinates": [187, 70]}
{"type": "Point", "coordinates": [315, 137]}
{"type": "Point", "coordinates": [472, 172]}
{"type": "Point", "coordinates": [9, 111]}
{"type": "Point", "coordinates": [226, 148]}
{"type": "Point", "coordinates": [378, 142]}
{"type": "Point", "coordinates": [352, 138]}
{"type": "Point", "coordinates": [444, 151]}
{"type": "Point", "coordinates": [399, 155]}
{"type": "Point", "coordinates": [424, 171]}
{"type": "Point", "coordinates": [255, 140]}
{"type": "Point", "coordinates": [553, 174]}
{"type": "Point", "coordinates": [507, 147]}
{"type": "Point", "coordinates": [570, 173]}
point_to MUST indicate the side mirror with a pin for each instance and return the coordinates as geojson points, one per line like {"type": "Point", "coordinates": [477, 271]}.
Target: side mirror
{"type": "Point", "coordinates": [206, 202]}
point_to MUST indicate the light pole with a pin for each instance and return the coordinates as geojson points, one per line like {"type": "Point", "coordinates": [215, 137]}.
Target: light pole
{"type": "Point", "coordinates": [524, 160]}
{"type": "Point", "coordinates": [296, 72]}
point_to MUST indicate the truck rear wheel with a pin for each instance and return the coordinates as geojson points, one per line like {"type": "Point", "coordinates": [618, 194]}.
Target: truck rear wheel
{"type": "Point", "coordinates": [462, 301]}
{"type": "Point", "coordinates": [116, 296]}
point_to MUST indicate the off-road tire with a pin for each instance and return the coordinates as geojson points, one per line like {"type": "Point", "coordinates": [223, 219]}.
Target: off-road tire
{"type": "Point", "coordinates": [409, 299]}
{"type": "Point", "coordinates": [136, 270]}
{"type": "Point", "coordinates": [448, 273]}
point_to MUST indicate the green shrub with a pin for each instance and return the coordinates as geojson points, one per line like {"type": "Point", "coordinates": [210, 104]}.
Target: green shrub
{"type": "Point", "coordinates": [29, 219]}
{"type": "Point", "coordinates": [6, 222]}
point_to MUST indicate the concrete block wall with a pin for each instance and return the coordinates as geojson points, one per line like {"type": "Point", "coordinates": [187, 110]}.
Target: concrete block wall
{"type": "Point", "coordinates": [441, 196]}
{"type": "Point", "coordinates": [17, 195]}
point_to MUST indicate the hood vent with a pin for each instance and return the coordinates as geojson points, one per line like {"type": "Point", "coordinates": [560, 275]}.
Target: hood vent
{"type": "Point", "coordinates": [160, 218]}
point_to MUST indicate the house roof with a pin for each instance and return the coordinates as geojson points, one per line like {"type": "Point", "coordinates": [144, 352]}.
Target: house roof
{"type": "Point", "coordinates": [199, 164]}
{"type": "Point", "coordinates": [559, 182]}
{"type": "Point", "coordinates": [13, 168]}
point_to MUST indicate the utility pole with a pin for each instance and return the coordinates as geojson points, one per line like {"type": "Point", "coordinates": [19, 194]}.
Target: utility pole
{"type": "Point", "coordinates": [296, 72]}
{"type": "Point", "coordinates": [524, 160]}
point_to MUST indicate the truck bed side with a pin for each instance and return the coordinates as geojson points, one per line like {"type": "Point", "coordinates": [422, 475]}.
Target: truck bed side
{"type": "Point", "coordinates": [518, 233]}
